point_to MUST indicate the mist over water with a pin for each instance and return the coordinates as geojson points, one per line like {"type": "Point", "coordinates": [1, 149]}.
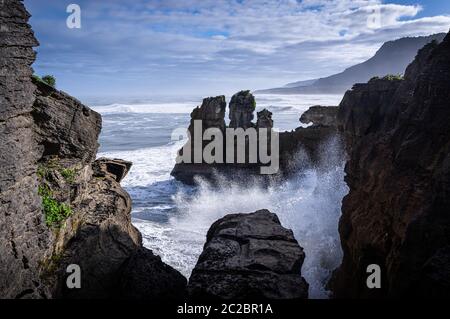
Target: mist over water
{"type": "Point", "coordinates": [174, 218]}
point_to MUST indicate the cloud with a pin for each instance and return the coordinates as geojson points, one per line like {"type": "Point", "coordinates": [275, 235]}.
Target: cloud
{"type": "Point", "coordinates": [190, 46]}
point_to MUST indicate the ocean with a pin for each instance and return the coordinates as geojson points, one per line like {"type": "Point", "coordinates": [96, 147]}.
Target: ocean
{"type": "Point", "coordinates": [174, 218]}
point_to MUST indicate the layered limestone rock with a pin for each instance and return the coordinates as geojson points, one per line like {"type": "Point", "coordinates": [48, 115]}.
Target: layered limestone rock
{"type": "Point", "coordinates": [24, 236]}
{"type": "Point", "coordinates": [396, 213]}
{"type": "Point", "coordinates": [297, 149]}
{"type": "Point", "coordinates": [249, 256]}
{"type": "Point", "coordinates": [58, 206]}
{"type": "Point", "coordinates": [65, 127]}
{"type": "Point", "coordinates": [320, 115]}
{"type": "Point", "coordinates": [211, 113]}
{"type": "Point", "coordinates": [242, 106]}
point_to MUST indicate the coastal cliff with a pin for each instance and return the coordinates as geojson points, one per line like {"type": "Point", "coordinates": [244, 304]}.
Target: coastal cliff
{"type": "Point", "coordinates": [396, 214]}
{"type": "Point", "coordinates": [58, 205]}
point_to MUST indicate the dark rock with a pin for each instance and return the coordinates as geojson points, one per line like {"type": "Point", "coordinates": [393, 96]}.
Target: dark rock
{"type": "Point", "coordinates": [211, 113]}
{"type": "Point", "coordinates": [65, 127]}
{"type": "Point", "coordinates": [145, 276]}
{"type": "Point", "coordinates": [320, 115]}
{"type": "Point", "coordinates": [24, 236]}
{"type": "Point", "coordinates": [242, 106]}
{"type": "Point", "coordinates": [116, 167]}
{"type": "Point", "coordinates": [396, 213]}
{"type": "Point", "coordinates": [249, 256]}
{"type": "Point", "coordinates": [264, 119]}
{"type": "Point", "coordinates": [49, 140]}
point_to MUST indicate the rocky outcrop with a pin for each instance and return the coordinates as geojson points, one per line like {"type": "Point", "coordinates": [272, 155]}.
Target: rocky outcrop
{"type": "Point", "coordinates": [396, 213]}
{"type": "Point", "coordinates": [303, 143]}
{"type": "Point", "coordinates": [249, 256]}
{"type": "Point", "coordinates": [320, 115]}
{"type": "Point", "coordinates": [115, 168]}
{"type": "Point", "coordinates": [242, 106]}
{"type": "Point", "coordinates": [24, 236]}
{"type": "Point", "coordinates": [65, 127]}
{"type": "Point", "coordinates": [211, 113]}
{"type": "Point", "coordinates": [264, 119]}
{"type": "Point", "coordinates": [58, 206]}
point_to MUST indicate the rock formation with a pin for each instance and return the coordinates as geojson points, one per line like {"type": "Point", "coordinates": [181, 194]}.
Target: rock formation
{"type": "Point", "coordinates": [58, 206]}
{"type": "Point", "coordinates": [211, 113]}
{"type": "Point", "coordinates": [24, 236]}
{"type": "Point", "coordinates": [264, 119]}
{"type": "Point", "coordinates": [320, 115]}
{"type": "Point", "coordinates": [249, 256]}
{"type": "Point", "coordinates": [396, 214]}
{"type": "Point", "coordinates": [242, 106]}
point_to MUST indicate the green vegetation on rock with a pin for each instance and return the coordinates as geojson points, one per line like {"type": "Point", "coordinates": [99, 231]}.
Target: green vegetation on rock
{"type": "Point", "coordinates": [393, 77]}
{"type": "Point", "coordinates": [68, 174]}
{"type": "Point", "coordinates": [47, 79]}
{"type": "Point", "coordinates": [54, 211]}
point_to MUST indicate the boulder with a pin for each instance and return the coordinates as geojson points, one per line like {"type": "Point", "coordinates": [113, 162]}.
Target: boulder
{"type": "Point", "coordinates": [249, 256]}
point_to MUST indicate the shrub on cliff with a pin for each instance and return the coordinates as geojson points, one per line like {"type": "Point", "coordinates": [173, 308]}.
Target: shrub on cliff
{"type": "Point", "coordinates": [47, 79]}
{"type": "Point", "coordinates": [393, 77]}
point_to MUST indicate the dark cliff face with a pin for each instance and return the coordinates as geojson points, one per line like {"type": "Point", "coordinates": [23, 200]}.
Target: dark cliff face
{"type": "Point", "coordinates": [396, 214]}
{"type": "Point", "coordinates": [24, 236]}
{"type": "Point", "coordinates": [58, 205]}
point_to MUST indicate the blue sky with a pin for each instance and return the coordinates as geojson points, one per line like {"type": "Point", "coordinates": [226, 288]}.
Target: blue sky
{"type": "Point", "coordinates": [207, 47]}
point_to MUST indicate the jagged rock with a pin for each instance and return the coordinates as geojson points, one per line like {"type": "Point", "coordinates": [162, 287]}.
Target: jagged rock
{"type": "Point", "coordinates": [24, 236]}
{"type": "Point", "coordinates": [116, 167]}
{"type": "Point", "coordinates": [396, 212]}
{"type": "Point", "coordinates": [48, 140]}
{"type": "Point", "coordinates": [320, 115]}
{"type": "Point", "coordinates": [249, 256]}
{"type": "Point", "coordinates": [65, 127]}
{"type": "Point", "coordinates": [302, 143]}
{"type": "Point", "coordinates": [211, 113]}
{"type": "Point", "coordinates": [264, 119]}
{"type": "Point", "coordinates": [100, 238]}
{"type": "Point", "coordinates": [242, 106]}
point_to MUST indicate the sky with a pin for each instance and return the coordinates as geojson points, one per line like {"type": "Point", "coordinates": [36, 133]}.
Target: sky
{"type": "Point", "coordinates": [208, 47]}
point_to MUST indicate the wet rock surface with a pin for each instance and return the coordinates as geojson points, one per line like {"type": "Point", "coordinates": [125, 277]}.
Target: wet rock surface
{"type": "Point", "coordinates": [249, 256]}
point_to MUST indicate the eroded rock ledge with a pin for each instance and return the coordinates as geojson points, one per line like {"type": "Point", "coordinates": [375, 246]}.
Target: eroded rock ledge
{"type": "Point", "coordinates": [249, 256]}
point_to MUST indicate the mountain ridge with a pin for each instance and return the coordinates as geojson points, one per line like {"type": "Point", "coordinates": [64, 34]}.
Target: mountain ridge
{"type": "Point", "coordinates": [392, 58]}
